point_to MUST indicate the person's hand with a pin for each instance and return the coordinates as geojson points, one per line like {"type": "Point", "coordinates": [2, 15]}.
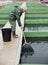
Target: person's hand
{"type": "Point", "coordinates": [22, 28]}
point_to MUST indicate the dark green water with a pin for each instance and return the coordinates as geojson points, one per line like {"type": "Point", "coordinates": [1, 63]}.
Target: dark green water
{"type": "Point", "coordinates": [39, 55]}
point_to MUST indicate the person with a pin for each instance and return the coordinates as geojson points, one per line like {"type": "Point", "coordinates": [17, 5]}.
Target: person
{"type": "Point", "coordinates": [15, 15]}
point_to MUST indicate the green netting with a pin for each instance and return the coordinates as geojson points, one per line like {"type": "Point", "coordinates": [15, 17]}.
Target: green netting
{"type": "Point", "coordinates": [3, 16]}
{"type": "Point", "coordinates": [36, 12]}
{"type": "Point", "coordinates": [9, 8]}
{"type": "Point", "coordinates": [36, 15]}
{"type": "Point", "coordinates": [36, 34]}
{"type": "Point", "coordinates": [4, 12]}
{"type": "Point", "coordinates": [36, 21]}
{"type": "Point", "coordinates": [36, 6]}
{"type": "Point", "coordinates": [3, 22]}
{"type": "Point", "coordinates": [33, 8]}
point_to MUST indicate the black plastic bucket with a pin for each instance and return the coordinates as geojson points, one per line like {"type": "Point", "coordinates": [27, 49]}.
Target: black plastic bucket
{"type": "Point", "coordinates": [6, 33]}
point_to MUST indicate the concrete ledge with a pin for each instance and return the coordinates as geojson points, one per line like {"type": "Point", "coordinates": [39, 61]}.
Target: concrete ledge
{"type": "Point", "coordinates": [10, 51]}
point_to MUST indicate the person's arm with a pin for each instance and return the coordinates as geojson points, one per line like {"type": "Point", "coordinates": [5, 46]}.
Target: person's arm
{"type": "Point", "coordinates": [19, 22]}
{"type": "Point", "coordinates": [18, 18]}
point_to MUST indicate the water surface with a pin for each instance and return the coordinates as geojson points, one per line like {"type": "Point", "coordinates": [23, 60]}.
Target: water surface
{"type": "Point", "coordinates": [40, 55]}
